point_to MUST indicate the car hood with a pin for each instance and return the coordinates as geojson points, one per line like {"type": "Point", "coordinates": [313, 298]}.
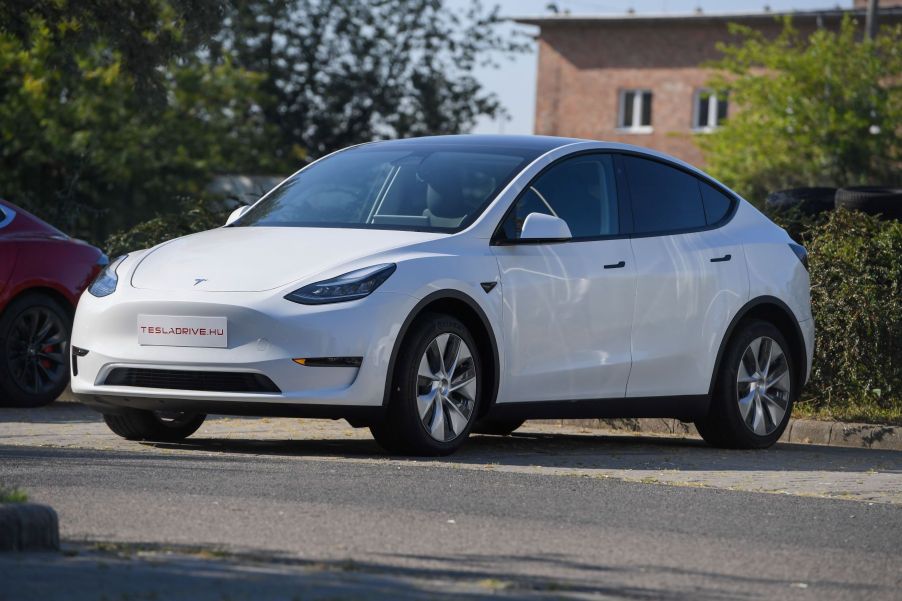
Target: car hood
{"type": "Point", "coordinates": [248, 259]}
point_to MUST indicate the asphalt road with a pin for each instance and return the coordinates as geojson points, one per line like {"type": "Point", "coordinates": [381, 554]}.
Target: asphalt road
{"type": "Point", "coordinates": [332, 518]}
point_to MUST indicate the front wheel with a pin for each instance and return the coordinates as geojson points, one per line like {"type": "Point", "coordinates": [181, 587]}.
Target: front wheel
{"type": "Point", "coordinates": [155, 426]}
{"type": "Point", "coordinates": [436, 388]}
{"type": "Point", "coordinates": [34, 350]}
{"type": "Point", "coordinates": [754, 390]}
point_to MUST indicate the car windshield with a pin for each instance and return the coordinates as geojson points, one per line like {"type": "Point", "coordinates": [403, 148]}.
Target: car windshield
{"type": "Point", "coordinates": [406, 187]}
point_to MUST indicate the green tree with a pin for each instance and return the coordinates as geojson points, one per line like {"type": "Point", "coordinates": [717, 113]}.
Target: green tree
{"type": "Point", "coordinates": [340, 72]}
{"type": "Point", "coordinates": [144, 33]}
{"type": "Point", "coordinates": [822, 110]}
{"type": "Point", "coordinates": [82, 146]}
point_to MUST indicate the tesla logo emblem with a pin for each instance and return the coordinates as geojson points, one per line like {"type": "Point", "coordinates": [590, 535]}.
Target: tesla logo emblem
{"type": "Point", "coordinates": [199, 280]}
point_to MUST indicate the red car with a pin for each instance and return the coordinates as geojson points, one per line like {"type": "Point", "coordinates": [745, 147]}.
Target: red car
{"type": "Point", "coordinates": [42, 274]}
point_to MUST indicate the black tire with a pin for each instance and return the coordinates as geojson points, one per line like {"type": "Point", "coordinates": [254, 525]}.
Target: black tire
{"type": "Point", "coordinates": [724, 425]}
{"type": "Point", "coordinates": [497, 427]}
{"type": "Point", "coordinates": [873, 200]}
{"type": "Point", "coordinates": [402, 431]}
{"type": "Point", "coordinates": [138, 424]}
{"type": "Point", "coordinates": [34, 364]}
{"type": "Point", "coordinates": [809, 201]}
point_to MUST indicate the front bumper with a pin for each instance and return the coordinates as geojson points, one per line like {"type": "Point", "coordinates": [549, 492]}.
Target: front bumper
{"type": "Point", "coordinates": [264, 334]}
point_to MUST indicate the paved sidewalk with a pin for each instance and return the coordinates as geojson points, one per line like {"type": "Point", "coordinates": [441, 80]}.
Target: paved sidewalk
{"type": "Point", "coordinates": [538, 448]}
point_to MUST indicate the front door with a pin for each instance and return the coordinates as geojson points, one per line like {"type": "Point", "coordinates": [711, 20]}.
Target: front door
{"type": "Point", "coordinates": [568, 306]}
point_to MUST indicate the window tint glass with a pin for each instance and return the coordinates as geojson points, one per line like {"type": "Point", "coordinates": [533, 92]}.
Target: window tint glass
{"type": "Point", "coordinates": [581, 191]}
{"type": "Point", "coordinates": [629, 99]}
{"type": "Point", "coordinates": [721, 110]}
{"type": "Point", "coordinates": [664, 198]}
{"type": "Point", "coordinates": [646, 109]}
{"type": "Point", "coordinates": [717, 204]}
{"type": "Point", "coordinates": [703, 117]}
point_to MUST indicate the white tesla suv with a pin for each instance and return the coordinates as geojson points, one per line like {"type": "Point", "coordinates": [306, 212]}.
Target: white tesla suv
{"type": "Point", "coordinates": [430, 287]}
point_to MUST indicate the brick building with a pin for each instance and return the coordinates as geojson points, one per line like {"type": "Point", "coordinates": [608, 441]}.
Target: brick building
{"type": "Point", "coordinates": [638, 79]}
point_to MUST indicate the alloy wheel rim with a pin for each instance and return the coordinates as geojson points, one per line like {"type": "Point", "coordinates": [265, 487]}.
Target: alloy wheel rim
{"type": "Point", "coordinates": [36, 350]}
{"type": "Point", "coordinates": [763, 385]}
{"type": "Point", "coordinates": [446, 387]}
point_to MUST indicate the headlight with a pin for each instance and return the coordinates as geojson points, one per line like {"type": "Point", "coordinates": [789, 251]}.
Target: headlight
{"type": "Point", "coordinates": [105, 283]}
{"type": "Point", "coordinates": [350, 286]}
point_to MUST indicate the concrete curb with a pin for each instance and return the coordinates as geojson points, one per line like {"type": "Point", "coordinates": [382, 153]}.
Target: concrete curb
{"type": "Point", "coordinates": [28, 527]}
{"type": "Point", "coordinates": [802, 431]}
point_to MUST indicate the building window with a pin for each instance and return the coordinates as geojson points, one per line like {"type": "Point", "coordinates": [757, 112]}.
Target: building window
{"type": "Point", "coordinates": [635, 110]}
{"type": "Point", "coordinates": [709, 110]}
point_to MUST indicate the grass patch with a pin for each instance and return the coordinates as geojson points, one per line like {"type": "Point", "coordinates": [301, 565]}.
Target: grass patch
{"type": "Point", "coordinates": [12, 495]}
{"type": "Point", "coordinates": [862, 411]}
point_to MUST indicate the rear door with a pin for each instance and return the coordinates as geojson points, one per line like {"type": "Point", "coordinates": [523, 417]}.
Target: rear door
{"type": "Point", "coordinates": [568, 305]}
{"type": "Point", "coordinates": [691, 278]}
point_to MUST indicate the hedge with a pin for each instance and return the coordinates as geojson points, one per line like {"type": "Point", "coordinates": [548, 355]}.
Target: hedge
{"type": "Point", "coordinates": [856, 297]}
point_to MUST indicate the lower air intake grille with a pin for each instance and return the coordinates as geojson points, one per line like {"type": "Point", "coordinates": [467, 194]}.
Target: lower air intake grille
{"type": "Point", "coordinates": [176, 379]}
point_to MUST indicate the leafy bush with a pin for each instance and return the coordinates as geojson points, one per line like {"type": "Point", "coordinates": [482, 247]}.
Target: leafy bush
{"type": "Point", "coordinates": [194, 216]}
{"type": "Point", "coordinates": [12, 495]}
{"type": "Point", "coordinates": [797, 223]}
{"type": "Point", "coordinates": [856, 297]}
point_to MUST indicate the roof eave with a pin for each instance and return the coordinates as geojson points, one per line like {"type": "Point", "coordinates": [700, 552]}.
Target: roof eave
{"type": "Point", "coordinates": [653, 18]}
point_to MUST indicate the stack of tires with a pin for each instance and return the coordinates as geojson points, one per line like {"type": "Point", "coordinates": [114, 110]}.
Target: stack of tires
{"type": "Point", "coordinates": [873, 200]}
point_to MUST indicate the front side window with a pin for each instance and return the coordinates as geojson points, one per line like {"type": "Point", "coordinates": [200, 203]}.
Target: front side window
{"type": "Point", "coordinates": [582, 191]}
{"type": "Point", "coordinates": [431, 188]}
{"type": "Point", "coordinates": [664, 199]}
{"type": "Point", "coordinates": [710, 110]}
{"type": "Point", "coordinates": [635, 110]}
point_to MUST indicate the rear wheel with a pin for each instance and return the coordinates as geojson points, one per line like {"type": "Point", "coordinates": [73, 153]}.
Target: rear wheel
{"type": "Point", "coordinates": [34, 350]}
{"type": "Point", "coordinates": [436, 388]}
{"type": "Point", "coordinates": [156, 426]}
{"type": "Point", "coordinates": [754, 391]}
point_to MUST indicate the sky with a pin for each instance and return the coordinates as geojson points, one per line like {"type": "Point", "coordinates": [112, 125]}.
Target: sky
{"type": "Point", "coordinates": [515, 82]}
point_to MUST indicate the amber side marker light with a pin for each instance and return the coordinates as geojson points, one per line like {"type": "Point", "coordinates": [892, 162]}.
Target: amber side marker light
{"type": "Point", "coordinates": [329, 361]}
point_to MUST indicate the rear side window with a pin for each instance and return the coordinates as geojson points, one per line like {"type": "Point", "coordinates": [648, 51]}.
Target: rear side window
{"type": "Point", "coordinates": [664, 198]}
{"type": "Point", "coordinates": [582, 191]}
{"type": "Point", "coordinates": [717, 204]}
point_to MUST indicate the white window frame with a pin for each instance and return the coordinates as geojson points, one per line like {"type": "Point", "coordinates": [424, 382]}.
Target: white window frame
{"type": "Point", "coordinates": [713, 122]}
{"type": "Point", "coordinates": [635, 127]}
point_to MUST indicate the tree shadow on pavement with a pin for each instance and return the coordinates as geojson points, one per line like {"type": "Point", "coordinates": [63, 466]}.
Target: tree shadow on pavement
{"type": "Point", "coordinates": [103, 570]}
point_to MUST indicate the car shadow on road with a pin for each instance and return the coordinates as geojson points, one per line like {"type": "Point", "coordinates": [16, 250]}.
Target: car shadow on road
{"type": "Point", "coordinates": [575, 451]}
